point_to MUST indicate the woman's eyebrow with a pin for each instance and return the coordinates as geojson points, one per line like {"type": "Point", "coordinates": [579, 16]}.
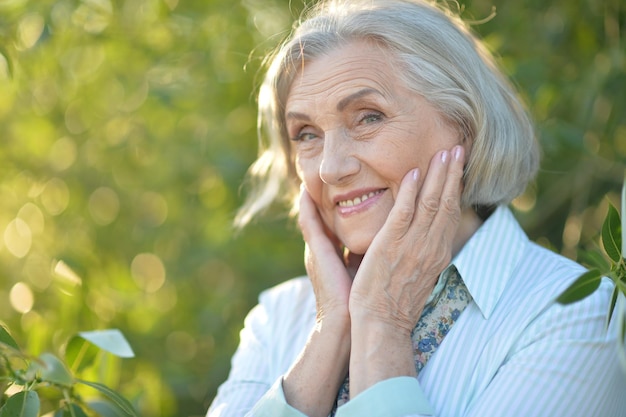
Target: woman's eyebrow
{"type": "Point", "coordinates": [341, 105]}
{"type": "Point", "coordinates": [344, 102]}
{"type": "Point", "coordinates": [297, 115]}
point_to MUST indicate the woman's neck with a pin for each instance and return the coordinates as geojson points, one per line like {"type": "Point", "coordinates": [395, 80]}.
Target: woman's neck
{"type": "Point", "coordinates": [468, 225]}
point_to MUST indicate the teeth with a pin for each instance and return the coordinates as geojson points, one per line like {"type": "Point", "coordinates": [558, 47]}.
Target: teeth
{"type": "Point", "coordinates": [358, 200]}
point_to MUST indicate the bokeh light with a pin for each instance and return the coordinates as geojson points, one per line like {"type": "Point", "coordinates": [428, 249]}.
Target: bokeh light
{"type": "Point", "coordinates": [18, 238]}
{"type": "Point", "coordinates": [63, 154]}
{"type": "Point", "coordinates": [181, 346]}
{"type": "Point", "coordinates": [55, 196]}
{"type": "Point", "coordinates": [21, 298]}
{"type": "Point", "coordinates": [104, 205]}
{"type": "Point", "coordinates": [29, 30]}
{"type": "Point", "coordinates": [148, 271]}
{"type": "Point", "coordinates": [33, 216]}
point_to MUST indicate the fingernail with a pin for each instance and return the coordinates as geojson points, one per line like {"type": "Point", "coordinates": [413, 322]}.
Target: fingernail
{"type": "Point", "coordinates": [416, 174]}
{"type": "Point", "coordinates": [444, 156]}
{"type": "Point", "coordinates": [457, 153]}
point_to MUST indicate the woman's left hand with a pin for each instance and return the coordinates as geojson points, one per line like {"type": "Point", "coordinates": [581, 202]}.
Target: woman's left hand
{"type": "Point", "coordinates": [404, 260]}
{"type": "Point", "coordinates": [400, 269]}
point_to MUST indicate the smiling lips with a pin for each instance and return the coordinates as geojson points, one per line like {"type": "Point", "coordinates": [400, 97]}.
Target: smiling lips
{"type": "Point", "coordinates": [353, 203]}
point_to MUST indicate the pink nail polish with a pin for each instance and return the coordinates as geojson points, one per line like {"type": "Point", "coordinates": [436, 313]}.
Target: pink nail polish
{"type": "Point", "coordinates": [457, 153]}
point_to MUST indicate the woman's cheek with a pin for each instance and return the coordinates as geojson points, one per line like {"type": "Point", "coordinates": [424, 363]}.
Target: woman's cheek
{"type": "Point", "coordinates": [308, 172]}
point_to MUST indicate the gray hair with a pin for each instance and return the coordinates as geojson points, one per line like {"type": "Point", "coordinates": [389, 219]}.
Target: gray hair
{"type": "Point", "coordinates": [440, 59]}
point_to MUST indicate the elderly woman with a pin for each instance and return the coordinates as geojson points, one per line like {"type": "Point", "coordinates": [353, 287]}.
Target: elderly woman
{"type": "Point", "coordinates": [400, 144]}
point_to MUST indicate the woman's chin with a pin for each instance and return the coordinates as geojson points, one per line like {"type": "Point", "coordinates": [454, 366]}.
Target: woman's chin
{"type": "Point", "coordinates": [357, 246]}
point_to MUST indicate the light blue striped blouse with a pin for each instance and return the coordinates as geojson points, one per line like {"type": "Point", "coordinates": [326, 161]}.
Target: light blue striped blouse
{"type": "Point", "coordinates": [512, 352]}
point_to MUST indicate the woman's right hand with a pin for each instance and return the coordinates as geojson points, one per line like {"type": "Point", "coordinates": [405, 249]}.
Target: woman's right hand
{"type": "Point", "coordinates": [312, 383]}
{"type": "Point", "coordinates": [325, 264]}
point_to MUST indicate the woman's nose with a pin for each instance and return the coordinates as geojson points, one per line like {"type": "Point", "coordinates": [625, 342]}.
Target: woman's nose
{"type": "Point", "coordinates": [339, 161]}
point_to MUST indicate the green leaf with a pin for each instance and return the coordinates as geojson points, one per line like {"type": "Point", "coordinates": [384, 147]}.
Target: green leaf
{"type": "Point", "coordinates": [105, 409]}
{"type": "Point", "coordinates": [121, 403]}
{"type": "Point", "coordinates": [6, 338]}
{"type": "Point", "coordinates": [594, 259]}
{"type": "Point", "coordinates": [22, 404]}
{"type": "Point", "coordinates": [80, 353]}
{"type": "Point", "coordinates": [585, 285]}
{"type": "Point", "coordinates": [54, 371]}
{"type": "Point", "coordinates": [74, 410]}
{"type": "Point", "coordinates": [612, 305]}
{"type": "Point", "coordinates": [612, 234]}
{"type": "Point", "coordinates": [111, 340]}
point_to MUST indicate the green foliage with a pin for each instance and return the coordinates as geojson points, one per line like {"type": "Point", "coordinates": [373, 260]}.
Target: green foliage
{"type": "Point", "coordinates": [584, 286]}
{"type": "Point", "coordinates": [615, 269]}
{"type": "Point", "coordinates": [48, 377]}
{"type": "Point", "coordinates": [22, 404]}
{"type": "Point", "coordinates": [612, 235]}
{"type": "Point", "coordinates": [120, 402]}
{"type": "Point", "coordinates": [110, 340]}
{"type": "Point", "coordinates": [126, 127]}
{"type": "Point", "coordinates": [52, 370]}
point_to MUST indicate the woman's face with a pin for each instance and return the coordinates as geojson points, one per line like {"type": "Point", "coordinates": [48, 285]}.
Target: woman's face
{"type": "Point", "coordinates": [356, 131]}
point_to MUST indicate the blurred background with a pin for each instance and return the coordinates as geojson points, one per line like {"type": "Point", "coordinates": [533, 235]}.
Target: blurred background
{"type": "Point", "coordinates": [126, 127]}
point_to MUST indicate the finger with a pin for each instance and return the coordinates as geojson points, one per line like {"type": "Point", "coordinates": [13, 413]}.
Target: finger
{"type": "Point", "coordinates": [308, 218]}
{"type": "Point", "coordinates": [403, 211]}
{"type": "Point", "coordinates": [314, 230]}
{"type": "Point", "coordinates": [451, 193]}
{"type": "Point", "coordinates": [429, 198]}
{"type": "Point", "coordinates": [447, 218]}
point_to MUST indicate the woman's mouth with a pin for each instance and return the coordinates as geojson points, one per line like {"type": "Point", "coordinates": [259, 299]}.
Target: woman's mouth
{"type": "Point", "coordinates": [358, 200]}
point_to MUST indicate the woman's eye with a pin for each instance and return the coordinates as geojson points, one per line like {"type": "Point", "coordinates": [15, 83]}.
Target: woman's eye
{"type": "Point", "coordinates": [303, 136]}
{"type": "Point", "coordinates": [371, 117]}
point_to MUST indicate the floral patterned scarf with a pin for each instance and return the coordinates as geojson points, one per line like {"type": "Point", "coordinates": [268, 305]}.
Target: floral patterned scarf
{"type": "Point", "coordinates": [449, 299]}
